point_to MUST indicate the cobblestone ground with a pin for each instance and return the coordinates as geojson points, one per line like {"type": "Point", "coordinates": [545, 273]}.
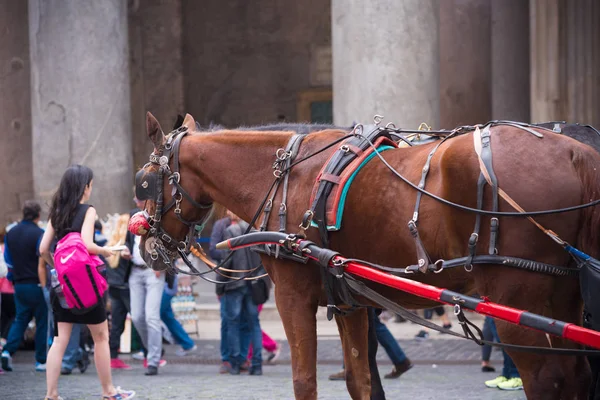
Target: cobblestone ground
{"type": "Point", "coordinates": [444, 367]}
{"type": "Point", "coordinates": [202, 382]}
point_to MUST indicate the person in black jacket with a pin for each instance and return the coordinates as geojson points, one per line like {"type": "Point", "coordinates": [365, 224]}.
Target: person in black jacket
{"type": "Point", "coordinates": [237, 303]}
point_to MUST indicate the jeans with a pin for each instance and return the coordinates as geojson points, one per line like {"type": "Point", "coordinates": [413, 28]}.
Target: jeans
{"type": "Point", "coordinates": [486, 349]}
{"type": "Point", "coordinates": [389, 343]}
{"type": "Point", "coordinates": [238, 302]}
{"type": "Point", "coordinates": [146, 294]}
{"type": "Point", "coordinates": [74, 352]}
{"type": "Point", "coordinates": [509, 370]}
{"type": "Point", "coordinates": [168, 317]}
{"type": "Point", "coordinates": [244, 333]}
{"type": "Point", "coordinates": [120, 301]}
{"type": "Point", "coordinates": [30, 303]}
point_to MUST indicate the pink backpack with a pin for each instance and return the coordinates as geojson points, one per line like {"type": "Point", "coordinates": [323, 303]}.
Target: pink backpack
{"type": "Point", "coordinates": [80, 281]}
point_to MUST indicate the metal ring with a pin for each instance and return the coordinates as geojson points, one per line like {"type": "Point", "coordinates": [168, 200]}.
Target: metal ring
{"type": "Point", "coordinates": [457, 310]}
{"type": "Point", "coordinates": [163, 161]}
{"type": "Point", "coordinates": [469, 268]}
{"type": "Point", "coordinates": [154, 256]}
{"type": "Point", "coordinates": [439, 266]}
{"type": "Point", "coordinates": [283, 207]}
{"type": "Point", "coordinates": [390, 125]}
{"type": "Point", "coordinates": [281, 154]}
{"type": "Point", "coordinates": [173, 176]}
{"type": "Point", "coordinates": [377, 119]}
{"type": "Point", "coordinates": [277, 173]}
{"type": "Point", "coordinates": [184, 245]}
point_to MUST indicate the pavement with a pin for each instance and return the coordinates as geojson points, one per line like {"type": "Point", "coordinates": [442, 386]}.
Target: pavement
{"type": "Point", "coordinates": [444, 366]}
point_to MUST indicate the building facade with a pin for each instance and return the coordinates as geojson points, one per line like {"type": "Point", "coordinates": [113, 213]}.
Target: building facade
{"type": "Point", "coordinates": [76, 78]}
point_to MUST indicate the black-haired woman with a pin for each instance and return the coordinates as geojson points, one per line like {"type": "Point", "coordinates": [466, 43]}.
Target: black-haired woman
{"type": "Point", "coordinates": [69, 213]}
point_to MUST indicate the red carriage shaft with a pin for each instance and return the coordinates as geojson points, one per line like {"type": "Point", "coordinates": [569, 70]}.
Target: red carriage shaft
{"type": "Point", "coordinates": [562, 329]}
{"type": "Point", "coordinates": [527, 319]}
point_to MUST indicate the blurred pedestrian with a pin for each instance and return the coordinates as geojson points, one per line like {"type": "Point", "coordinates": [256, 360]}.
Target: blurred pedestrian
{"type": "Point", "coordinates": [428, 314]}
{"type": "Point", "coordinates": [486, 349]}
{"type": "Point", "coordinates": [510, 378]}
{"type": "Point", "coordinates": [146, 288]}
{"type": "Point", "coordinates": [70, 213]}
{"type": "Point", "coordinates": [21, 253]}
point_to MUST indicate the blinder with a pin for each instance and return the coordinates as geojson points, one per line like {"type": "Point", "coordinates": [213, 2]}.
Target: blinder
{"type": "Point", "coordinates": [145, 185]}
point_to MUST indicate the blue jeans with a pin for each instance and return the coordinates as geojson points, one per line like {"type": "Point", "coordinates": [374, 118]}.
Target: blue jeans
{"type": "Point", "coordinates": [237, 303]}
{"type": "Point", "coordinates": [389, 343]}
{"type": "Point", "coordinates": [168, 317]}
{"type": "Point", "coordinates": [73, 353]}
{"type": "Point", "coordinates": [509, 370]}
{"type": "Point", "coordinates": [30, 302]}
{"type": "Point", "coordinates": [244, 333]}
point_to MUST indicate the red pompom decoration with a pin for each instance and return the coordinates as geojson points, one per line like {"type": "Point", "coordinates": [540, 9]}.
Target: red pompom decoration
{"type": "Point", "coordinates": [138, 223]}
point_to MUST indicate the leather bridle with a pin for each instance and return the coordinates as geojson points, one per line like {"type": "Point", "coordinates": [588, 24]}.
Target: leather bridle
{"type": "Point", "coordinates": [149, 186]}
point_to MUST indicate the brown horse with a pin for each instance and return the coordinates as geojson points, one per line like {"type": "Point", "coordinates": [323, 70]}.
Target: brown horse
{"type": "Point", "coordinates": [234, 168]}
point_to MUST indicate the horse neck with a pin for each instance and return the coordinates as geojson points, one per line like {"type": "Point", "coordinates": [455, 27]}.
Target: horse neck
{"type": "Point", "coordinates": [235, 167]}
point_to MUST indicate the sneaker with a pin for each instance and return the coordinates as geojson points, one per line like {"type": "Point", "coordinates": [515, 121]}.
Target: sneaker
{"type": "Point", "coordinates": [225, 367]}
{"type": "Point", "coordinates": [120, 395]}
{"type": "Point", "coordinates": [339, 376]}
{"type": "Point", "coordinates": [138, 356]}
{"type": "Point", "coordinates": [422, 335]}
{"type": "Point", "coordinates": [255, 370]}
{"type": "Point", "coordinates": [511, 384]}
{"type": "Point", "coordinates": [6, 361]}
{"type": "Point", "coordinates": [446, 326]}
{"type": "Point", "coordinates": [152, 370]}
{"type": "Point", "coordinates": [65, 371]}
{"type": "Point", "coordinates": [40, 367]}
{"type": "Point", "coordinates": [161, 363]}
{"type": "Point", "coordinates": [183, 352]}
{"type": "Point", "coordinates": [487, 368]}
{"type": "Point", "coordinates": [495, 382]}
{"type": "Point", "coordinates": [117, 363]}
{"type": "Point", "coordinates": [399, 369]}
{"type": "Point", "coordinates": [272, 356]}
{"type": "Point", "coordinates": [234, 369]}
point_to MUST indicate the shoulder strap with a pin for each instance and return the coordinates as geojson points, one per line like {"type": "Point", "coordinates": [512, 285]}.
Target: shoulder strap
{"type": "Point", "coordinates": [79, 218]}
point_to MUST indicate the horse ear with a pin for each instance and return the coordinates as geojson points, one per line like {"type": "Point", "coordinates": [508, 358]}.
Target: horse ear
{"type": "Point", "coordinates": [155, 132]}
{"type": "Point", "coordinates": [189, 122]}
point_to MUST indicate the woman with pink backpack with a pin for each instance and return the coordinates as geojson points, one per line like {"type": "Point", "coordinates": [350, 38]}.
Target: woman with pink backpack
{"type": "Point", "coordinates": [77, 286]}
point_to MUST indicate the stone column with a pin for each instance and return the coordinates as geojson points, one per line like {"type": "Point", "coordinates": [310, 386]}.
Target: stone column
{"type": "Point", "coordinates": [465, 68]}
{"type": "Point", "coordinates": [16, 179]}
{"type": "Point", "coordinates": [386, 61]}
{"type": "Point", "coordinates": [80, 97]}
{"type": "Point", "coordinates": [565, 78]}
{"type": "Point", "coordinates": [155, 41]}
{"type": "Point", "coordinates": [510, 60]}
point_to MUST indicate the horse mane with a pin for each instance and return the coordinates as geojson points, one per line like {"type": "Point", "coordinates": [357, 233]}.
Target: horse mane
{"type": "Point", "coordinates": [298, 127]}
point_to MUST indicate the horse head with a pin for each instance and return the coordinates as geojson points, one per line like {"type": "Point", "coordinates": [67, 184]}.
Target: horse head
{"type": "Point", "coordinates": [176, 208]}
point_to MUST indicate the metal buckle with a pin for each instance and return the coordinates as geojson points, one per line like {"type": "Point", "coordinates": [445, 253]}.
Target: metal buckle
{"type": "Point", "coordinates": [163, 161]}
{"type": "Point", "coordinates": [310, 215]}
{"type": "Point", "coordinates": [344, 148]}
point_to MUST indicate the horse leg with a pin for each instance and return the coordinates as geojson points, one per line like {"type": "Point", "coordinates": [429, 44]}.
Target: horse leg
{"type": "Point", "coordinates": [353, 330]}
{"type": "Point", "coordinates": [377, 392]}
{"type": "Point", "coordinates": [297, 302]}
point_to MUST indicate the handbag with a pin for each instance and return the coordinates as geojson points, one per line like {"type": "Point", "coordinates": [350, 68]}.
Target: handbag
{"type": "Point", "coordinates": [260, 288]}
